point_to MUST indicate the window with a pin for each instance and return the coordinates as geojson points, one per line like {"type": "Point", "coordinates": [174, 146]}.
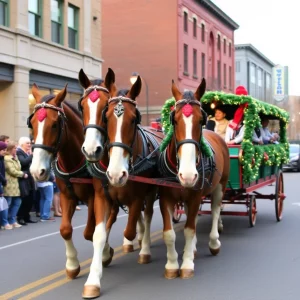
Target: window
{"type": "Point", "coordinates": [185, 59]}
{"type": "Point", "coordinates": [195, 71]}
{"type": "Point", "coordinates": [56, 21]}
{"type": "Point", "coordinates": [259, 83]}
{"type": "Point", "coordinates": [230, 78]}
{"type": "Point", "coordinates": [253, 80]}
{"type": "Point", "coordinates": [73, 26]}
{"type": "Point", "coordinates": [225, 71]}
{"type": "Point", "coordinates": [4, 12]}
{"type": "Point", "coordinates": [195, 27]}
{"type": "Point", "coordinates": [35, 17]}
{"type": "Point", "coordinates": [229, 49]}
{"type": "Point", "coordinates": [224, 46]}
{"type": "Point", "coordinates": [185, 21]}
{"type": "Point", "coordinates": [219, 74]}
{"type": "Point", "coordinates": [237, 66]}
{"type": "Point", "coordinates": [203, 32]}
{"type": "Point", "coordinates": [203, 65]}
{"type": "Point", "coordinates": [252, 73]}
{"type": "Point", "coordinates": [268, 88]}
{"type": "Point", "coordinates": [219, 42]}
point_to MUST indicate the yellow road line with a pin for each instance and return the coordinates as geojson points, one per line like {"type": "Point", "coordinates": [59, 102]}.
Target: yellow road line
{"type": "Point", "coordinates": [53, 276]}
{"type": "Point", "coordinates": [83, 272]}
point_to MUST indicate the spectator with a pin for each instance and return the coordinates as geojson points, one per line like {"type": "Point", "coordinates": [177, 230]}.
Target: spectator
{"type": "Point", "coordinates": [4, 213]}
{"type": "Point", "coordinates": [27, 186]}
{"type": "Point", "coordinates": [4, 138]}
{"type": "Point", "coordinates": [267, 136]}
{"type": "Point", "coordinates": [12, 190]}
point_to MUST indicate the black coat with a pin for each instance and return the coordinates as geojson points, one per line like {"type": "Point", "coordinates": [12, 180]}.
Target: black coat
{"type": "Point", "coordinates": [25, 161]}
{"type": "Point", "coordinates": [2, 174]}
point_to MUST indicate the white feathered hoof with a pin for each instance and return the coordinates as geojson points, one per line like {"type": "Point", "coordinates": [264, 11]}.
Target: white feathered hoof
{"type": "Point", "coordinates": [90, 292]}
{"type": "Point", "coordinates": [186, 273]}
{"type": "Point", "coordinates": [72, 274]}
{"type": "Point", "coordinates": [144, 259]}
{"type": "Point", "coordinates": [214, 252]}
{"type": "Point", "coordinates": [171, 273]}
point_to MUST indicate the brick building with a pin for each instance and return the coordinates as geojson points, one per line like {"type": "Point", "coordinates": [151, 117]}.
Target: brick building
{"type": "Point", "coordinates": [183, 40]}
{"type": "Point", "coordinates": [46, 42]}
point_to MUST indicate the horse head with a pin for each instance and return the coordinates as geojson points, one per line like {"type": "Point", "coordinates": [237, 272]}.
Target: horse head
{"type": "Point", "coordinates": [47, 122]}
{"type": "Point", "coordinates": [92, 105]}
{"type": "Point", "coordinates": [188, 119]}
{"type": "Point", "coordinates": [122, 119]}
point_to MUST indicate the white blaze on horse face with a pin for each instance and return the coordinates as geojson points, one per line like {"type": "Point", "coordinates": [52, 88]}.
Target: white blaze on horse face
{"type": "Point", "coordinates": [187, 172]}
{"type": "Point", "coordinates": [117, 170]}
{"type": "Point", "coordinates": [41, 161]}
{"type": "Point", "coordinates": [93, 137]}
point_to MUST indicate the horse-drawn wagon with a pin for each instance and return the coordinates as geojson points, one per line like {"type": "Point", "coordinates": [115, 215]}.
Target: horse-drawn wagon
{"type": "Point", "coordinates": [251, 166]}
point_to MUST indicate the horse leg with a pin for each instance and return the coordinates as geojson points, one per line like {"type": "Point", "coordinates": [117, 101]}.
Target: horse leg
{"type": "Point", "coordinates": [216, 201]}
{"type": "Point", "coordinates": [102, 212]}
{"type": "Point", "coordinates": [188, 266]}
{"type": "Point", "coordinates": [172, 266]}
{"type": "Point", "coordinates": [90, 225]}
{"type": "Point", "coordinates": [68, 208]}
{"type": "Point", "coordinates": [220, 225]}
{"type": "Point", "coordinates": [108, 252]}
{"type": "Point", "coordinates": [145, 253]}
{"type": "Point", "coordinates": [195, 236]}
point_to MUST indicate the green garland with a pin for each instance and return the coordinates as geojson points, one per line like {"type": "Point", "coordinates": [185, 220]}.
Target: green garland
{"type": "Point", "coordinates": [277, 154]}
{"type": "Point", "coordinates": [169, 128]}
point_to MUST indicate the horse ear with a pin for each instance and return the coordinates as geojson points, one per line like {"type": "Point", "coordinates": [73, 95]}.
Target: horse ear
{"type": "Point", "coordinates": [135, 89]}
{"type": "Point", "coordinates": [83, 79]}
{"type": "Point", "coordinates": [109, 82]}
{"type": "Point", "coordinates": [60, 97]}
{"type": "Point", "coordinates": [175, 91]}
{"type": "Point", "coordinates": [36, 93]}
{"type": "Point", "coordinates": [200, 90]}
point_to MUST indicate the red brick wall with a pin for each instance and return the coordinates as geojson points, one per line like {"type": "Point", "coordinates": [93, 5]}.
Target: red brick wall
{"type": "Point", "coordinates": [141, 36]}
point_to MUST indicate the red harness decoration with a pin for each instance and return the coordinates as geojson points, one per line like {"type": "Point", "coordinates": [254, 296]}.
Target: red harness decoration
{"type": "Point", "coordinates": [187, 110]}
{"type": "Point", "coordinates": [173, 166]}
{"type": "Point", "coordinates": [74, 169]}
{"type": "Point", "coordinates": [41, 114]}
{"type": "Point", "coordinates": [102, 165]}
{"type": "Point", "coordinates": [94, 96]}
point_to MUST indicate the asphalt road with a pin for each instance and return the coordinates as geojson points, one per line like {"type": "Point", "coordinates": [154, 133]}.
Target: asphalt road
{"type": "Point", "coordinates": [260, 263]}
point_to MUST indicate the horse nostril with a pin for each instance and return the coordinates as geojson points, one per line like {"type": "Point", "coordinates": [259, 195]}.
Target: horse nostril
{"type": "Point", "coordinates": [108, 176]}
{"type": "Point", "coordinates": [83, 150]}
{"type": "Point", "coordinates": [123, 176]}
{"type": "Point", "coordinates": [180, 176]}
{"type": "Point", "coordinates": [98, 149]}
{"type": "Point", "coordinates": [42, 172]}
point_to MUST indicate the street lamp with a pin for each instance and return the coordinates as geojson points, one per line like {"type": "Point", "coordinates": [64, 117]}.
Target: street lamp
{"type": "Point", "coordinates": [133, 79]}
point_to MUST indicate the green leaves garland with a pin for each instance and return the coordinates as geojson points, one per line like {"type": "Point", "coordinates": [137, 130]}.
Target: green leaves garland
{"type": "Point", "coordinates": [168, 128]}
{"type": "Point", "coordinates": [277, 154]}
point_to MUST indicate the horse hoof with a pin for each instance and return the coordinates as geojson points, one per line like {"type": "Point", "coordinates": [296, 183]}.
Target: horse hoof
{"type": "Point", "coordinates": [73, 273]}
{"type": "Point", "coordinates": [144, 259]}
{"type": "Point", "coordinates": [128, 248]}
{"type": "Point", "coordinates": [186, 273]}
{"type": "Point", "coordinates": [171, 274]}
{"type": "Point", "coordinates": [214, 251]}
{"type": "Point", "coordinates": [107, 262]}
{"type": "Point", "coordinates": [140, 243]}
{"type": "Point", "coordinates": [90, 292]}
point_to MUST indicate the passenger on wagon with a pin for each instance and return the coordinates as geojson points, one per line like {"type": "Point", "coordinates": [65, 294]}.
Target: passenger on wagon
{"type": "Point", "coordinates": [267, 136]}
{"type": "Point", "coordinates": [221, 122]}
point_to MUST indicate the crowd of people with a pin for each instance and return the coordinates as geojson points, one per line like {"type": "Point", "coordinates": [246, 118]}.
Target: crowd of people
{"type": "Point", "coordinates": [20, 195]}
{"type": "Point", "coordinates": [233, 131]}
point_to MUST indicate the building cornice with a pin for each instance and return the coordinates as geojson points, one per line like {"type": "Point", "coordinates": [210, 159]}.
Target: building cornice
{"type": "Point", "coordinates": [255, 51]}
{"type": "Point", "coordinates": [215, 10]}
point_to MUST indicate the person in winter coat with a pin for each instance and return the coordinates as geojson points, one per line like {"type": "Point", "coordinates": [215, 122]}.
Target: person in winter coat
{"type": "Point", "coordinates": [12, 190]}
{"type": "Point", "coordinates": [27, 186]}
{"type": "Point", "coordinates": [4, 213]}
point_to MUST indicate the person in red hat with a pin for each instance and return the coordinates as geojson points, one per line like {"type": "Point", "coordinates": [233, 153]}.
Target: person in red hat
{"type": "Point", "coordinates": [235, 129]}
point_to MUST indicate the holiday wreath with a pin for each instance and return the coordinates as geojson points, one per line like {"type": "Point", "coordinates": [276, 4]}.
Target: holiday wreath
{"type": "Point", "coordinates": [253, 155]}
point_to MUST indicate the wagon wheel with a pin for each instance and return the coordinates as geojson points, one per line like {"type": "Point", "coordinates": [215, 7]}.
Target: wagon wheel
{"type": "Point", "coordinates": [176, 215]}
{"type": "Point", "coordinates": [279, 196]}
{"type": "Point", "coordinates": [252, 211]}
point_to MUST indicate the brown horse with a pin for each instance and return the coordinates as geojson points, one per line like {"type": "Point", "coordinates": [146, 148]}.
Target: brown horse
{"type": "Point", "coordinates": [100, 115]}
{"type": "Point", "coordinates": [184, 159]}
{"type": "Point", "coordinates": [58, 136]}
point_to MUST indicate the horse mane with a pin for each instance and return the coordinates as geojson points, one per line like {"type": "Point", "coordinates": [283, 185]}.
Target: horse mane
{"type": "Point", "coordinates": [188, 95]}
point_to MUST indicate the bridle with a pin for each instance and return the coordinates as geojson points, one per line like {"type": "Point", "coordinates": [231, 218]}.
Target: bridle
{"type": "Point", "coordinates": [86, 93]}
{"type": "Point", "coordinates": [62, 119]}
{"type": "Point", "coordinates": [188, 141]}
{"type": "Point", "coordinates": [119, 110]}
